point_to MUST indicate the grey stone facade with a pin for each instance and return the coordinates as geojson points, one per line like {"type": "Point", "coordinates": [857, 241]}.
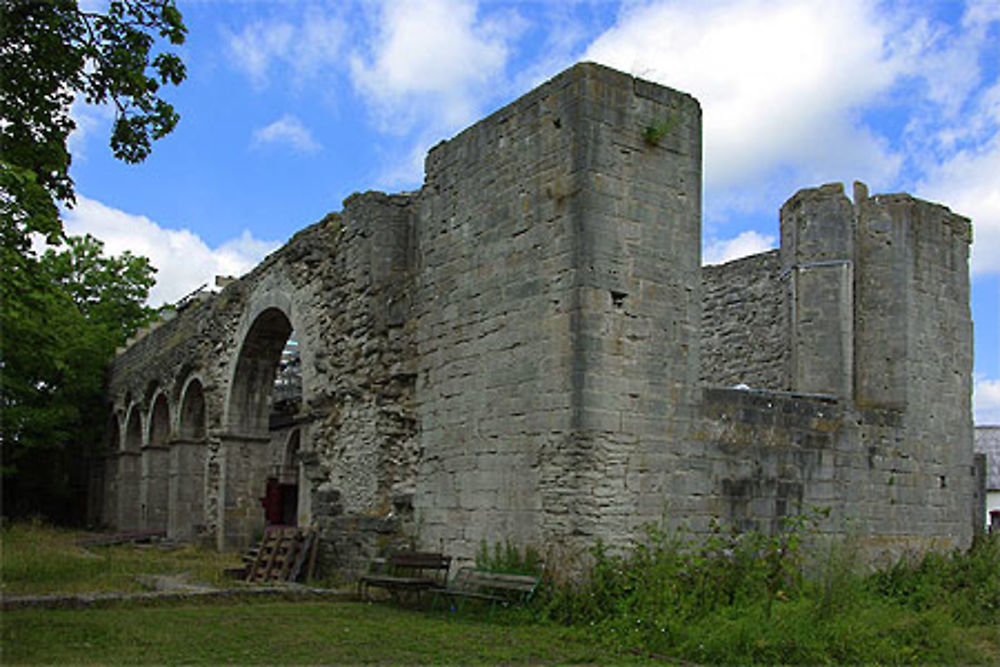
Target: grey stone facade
{"type": "Point", "coordinates": [528, 349]}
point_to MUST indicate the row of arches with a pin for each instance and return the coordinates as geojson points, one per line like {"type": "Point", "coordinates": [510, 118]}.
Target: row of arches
{"type": "Point", "coordinates": [160, 465]}
{"type": "Point", "coordinates": [172, 474]}
{"type": "Point", "coordinates": [155, 429]}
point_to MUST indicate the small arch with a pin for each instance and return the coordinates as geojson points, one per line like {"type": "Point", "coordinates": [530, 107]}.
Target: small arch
{"type": "Point", "coordinates": [154, 488]}
{"type": "Point", "coordinates": [290, 467]}
{"type": "Point", "coordinates": [133, 431]}
{"type": "Point", "coordinates": [191, 422]}
{"type": "Point", "coordinates": [281, 496]}
{"type": "Point", "coordinates": [129, 472]}
{"type": "Point", "coordinates": [115, 433]}
{"type": "Point", "coordinates": [152, 389]}
{"type": "Point", "coordinates": [159, 422]}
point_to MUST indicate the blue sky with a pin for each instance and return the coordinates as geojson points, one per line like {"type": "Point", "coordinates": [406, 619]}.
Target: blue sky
{"type": "Point", "coordinates": [290, 107]}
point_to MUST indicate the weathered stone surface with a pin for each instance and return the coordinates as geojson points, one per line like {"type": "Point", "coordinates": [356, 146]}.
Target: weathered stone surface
{"type": "Point", "coordinates": [744, 324]}
{"type": "Point", "coordinates": [528, 349]}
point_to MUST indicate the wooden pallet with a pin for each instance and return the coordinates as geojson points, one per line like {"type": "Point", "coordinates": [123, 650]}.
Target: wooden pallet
{"type": "Point", "coordinates": [284, 554]}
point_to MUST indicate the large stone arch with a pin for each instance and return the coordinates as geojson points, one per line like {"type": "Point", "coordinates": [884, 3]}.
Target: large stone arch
{"type": "Point", "coordinates": [155, 463]}
{"type": "Point", "coordinates": [186, 486]}
{"type": "Point", "coordinates": [262, 336]}
{"type": "Point", "coordinates": [130, 471]}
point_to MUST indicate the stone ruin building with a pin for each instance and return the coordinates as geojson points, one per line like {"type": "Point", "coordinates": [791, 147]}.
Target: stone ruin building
{"type": "Point", "coordinates": [528, 348]}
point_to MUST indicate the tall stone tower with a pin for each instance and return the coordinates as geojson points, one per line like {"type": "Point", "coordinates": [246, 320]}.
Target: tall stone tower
{"type": "Point", "coordinates": [558, 244]}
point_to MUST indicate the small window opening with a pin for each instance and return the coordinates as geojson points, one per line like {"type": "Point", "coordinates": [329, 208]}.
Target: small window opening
{"type": "Point", "coordinates": [618, 299]}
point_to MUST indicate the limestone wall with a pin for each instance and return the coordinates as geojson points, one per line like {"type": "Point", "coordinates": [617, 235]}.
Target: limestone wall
{"type": "Point", "coordinates": [528, 349]}
{"type": "Point", "coordinates": [744, 324]}
{"type": "Point", "coordinates": [338, 285]}
{"type": "Point", "coordinates": [556, 322]}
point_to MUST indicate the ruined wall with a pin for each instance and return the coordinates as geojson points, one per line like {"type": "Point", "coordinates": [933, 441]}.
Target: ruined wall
{"type": "Point", "coordinates": [528, 349]}
{"type": "Point", "coordinates": [770, 455]}
{"type": "Point", "coordinates": [555, 322]}
{"type": "Point", "coordinates": [914, 353]}
{"type": "Point", "coordinates": [744, 323]}
{"type": "Point", "coordinates": [338, 285]}
{"type": "Point", "coordinates": [879, 339]}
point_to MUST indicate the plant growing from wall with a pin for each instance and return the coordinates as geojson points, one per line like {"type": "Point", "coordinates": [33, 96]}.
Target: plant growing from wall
{"type": "Point", "coordinates": [655, 132]}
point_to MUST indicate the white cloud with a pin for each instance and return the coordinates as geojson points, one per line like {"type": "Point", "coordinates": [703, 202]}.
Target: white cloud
{"type": "Point", "coordinates": [778, 80]}
{"type": "Point", "coordinates": [969, 183]}
{"type": "Point", "coordinates": [287, 130]}
{"type": "Point", "coordinates": [721, 251]}
{"type": "Point", "coordinates": [305, 48]}
{"type": "Point", "coordinates": [961, 171]}
{"type": "Point", "coordinates": [432, 62]}
{"type": "Point", "coordinates": [986, 401]}
{"type": "Point", "coordinates": [183, 260]}
{"type": "Point", "coordinates": [88, 118]}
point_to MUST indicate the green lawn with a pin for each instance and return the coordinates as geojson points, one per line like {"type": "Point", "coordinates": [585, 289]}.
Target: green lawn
{"type": "Point", "coordinates": [681, 600]}
{"type": "Point", "coordinates": [284, 633]}
{"type": "Point", "coordinates": [39, 559]}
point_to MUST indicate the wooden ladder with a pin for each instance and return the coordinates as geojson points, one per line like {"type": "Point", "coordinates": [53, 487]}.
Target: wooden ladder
{"type": "Point", "coordinates": [283, 554]}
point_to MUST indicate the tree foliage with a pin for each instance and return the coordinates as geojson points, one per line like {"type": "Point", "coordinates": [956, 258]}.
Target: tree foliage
{"type": "Point", "coordinates": [51, 53]}
{"type": "Point", "coordinates": [61, 319]}
{"type": "Point", "coordinates": [62, 313]}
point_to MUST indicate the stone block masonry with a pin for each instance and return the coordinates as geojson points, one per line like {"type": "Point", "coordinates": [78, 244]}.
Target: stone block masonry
{"type": "Point", "coordinates": [527, 348]}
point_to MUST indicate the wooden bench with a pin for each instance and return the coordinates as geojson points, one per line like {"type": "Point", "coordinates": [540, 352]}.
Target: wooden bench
{"type": "Point", "coordinates": [408, 571]}
{"type": "Point", "coordinates": [493, 587]}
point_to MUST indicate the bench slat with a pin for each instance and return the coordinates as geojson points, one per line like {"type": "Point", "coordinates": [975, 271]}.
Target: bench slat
{"type": "Point", "coordinates": [493, 586]}
{"type": "Point", "coordinates": [398, 568]}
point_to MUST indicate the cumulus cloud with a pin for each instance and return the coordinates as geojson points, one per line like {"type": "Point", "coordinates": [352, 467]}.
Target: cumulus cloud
{"type": "Point", "coordinates": [778, 80]}
{"type": "Point", "coordinates": [721, 251]}
{"type": "Point", "coordinates": [431, 61]}
{"type": "Point", "coordinates": [969, 182]}
{"type": "Point", "coordinates": [287, 130]}
{"type": "Point", "coordinates": [963, 174]}
{"type": "Point", "coordinates": [183, 260]}
{"type": "Point", "coordinates": [305, 48]}
{"type": "Point", "coordinates": [986, 401]}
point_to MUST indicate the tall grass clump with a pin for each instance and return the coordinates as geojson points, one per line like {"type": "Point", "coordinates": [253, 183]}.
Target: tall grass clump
{"type": "Point", "coordinates": [506, 558]}
{"type": "Point", "coordinates": [967, 584]}
{"type": "Point", "coordinates": [730, 597]}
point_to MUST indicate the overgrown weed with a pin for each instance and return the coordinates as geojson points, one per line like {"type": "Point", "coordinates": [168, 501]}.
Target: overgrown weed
{"type": "Point", "coordinates": [729, 597]}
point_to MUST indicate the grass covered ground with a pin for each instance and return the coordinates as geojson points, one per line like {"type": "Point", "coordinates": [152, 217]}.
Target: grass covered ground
{"type": "Point", "coordinates": [722, 598]}
{"type": "Point", "coordinates": [39, 559]}
{"type": "Point", "coordinates": [283, 633]}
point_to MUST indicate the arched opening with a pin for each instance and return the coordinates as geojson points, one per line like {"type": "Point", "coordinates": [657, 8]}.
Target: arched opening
{"type": "Point", "coordinates": [256, 371]}
{"type": "Point", "coordinates": [133, 431]}
{"type": "Point", "coordinates": [282, 499]}
{"type": "Point", "coordinates": [109, 494]}
{"type": "Point", "coordinates": [192, 416]}
{"type": "Point", "coordinates": [155, 466]}
{"type": "Point", "coordinates": [130, 472]}
{"type": "Point", "coordinates": [114, 434]}
{"type": "Point", "coordinates": [159, 422]}
{"type": "Point", "coordinates": [264, 400]}
{"type": "Point", "coordinates": [187, 466]}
